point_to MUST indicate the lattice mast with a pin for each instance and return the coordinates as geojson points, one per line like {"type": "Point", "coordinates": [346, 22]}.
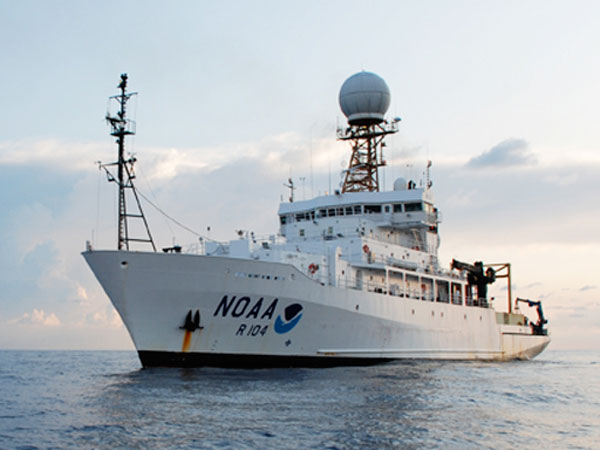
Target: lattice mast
{"type": "Point", "coordinates": [121, 127]}
{"type": "Point", "coordinates": [367, 155]}
{"type": "Point", "coordinates": [364, 99]}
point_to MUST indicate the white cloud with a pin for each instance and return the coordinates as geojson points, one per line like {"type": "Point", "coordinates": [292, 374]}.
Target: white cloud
{"type": "Point", "coordinates": [106, 317]}
{"type": "Point", "coordinates": [159, 164]}
{"type": "Point", "coordinates": [39, 317]}
{"type": "Point", "coordinates": [82, 293]}
{"type": "Point", "coordinates": [67, 155]}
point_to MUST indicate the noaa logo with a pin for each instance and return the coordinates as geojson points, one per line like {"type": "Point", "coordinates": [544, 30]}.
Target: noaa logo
{"type": "Point", "coordinates": [292, 314]}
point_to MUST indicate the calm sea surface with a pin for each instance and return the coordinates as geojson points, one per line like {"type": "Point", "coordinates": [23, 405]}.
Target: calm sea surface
{"type": "Point", "coordinates": [105, 400]}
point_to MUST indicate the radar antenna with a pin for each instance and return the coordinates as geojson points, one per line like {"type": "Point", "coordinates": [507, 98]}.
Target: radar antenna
{"type": "Point", "coordinates": [121, 127]}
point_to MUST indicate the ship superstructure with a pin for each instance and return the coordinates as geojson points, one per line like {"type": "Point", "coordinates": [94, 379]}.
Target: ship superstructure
{"type": "Point", "coordinates": [352, 277]}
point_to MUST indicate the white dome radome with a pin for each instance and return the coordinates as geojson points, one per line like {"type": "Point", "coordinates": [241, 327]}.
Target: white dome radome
{"type": "Point", "coordinates": [400, 184]}
{"type": "Point", "coordinates": [364, 98]}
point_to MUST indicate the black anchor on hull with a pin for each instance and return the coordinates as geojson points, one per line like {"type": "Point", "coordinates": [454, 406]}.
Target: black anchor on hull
{"type": "Point", "coordinates": [192, 324]}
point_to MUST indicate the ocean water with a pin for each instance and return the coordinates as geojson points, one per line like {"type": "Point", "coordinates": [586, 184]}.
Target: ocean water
{"type": "Point", "coordinates": [51, 399]}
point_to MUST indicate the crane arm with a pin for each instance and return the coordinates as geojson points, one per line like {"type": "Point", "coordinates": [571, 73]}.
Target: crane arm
{"type": "Point", "coordinates": [538, 328]}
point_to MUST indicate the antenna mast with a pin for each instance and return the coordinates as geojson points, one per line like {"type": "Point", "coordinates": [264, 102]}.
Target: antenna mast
{"type": "Point", "coordinates": [367, 155]}
{"type": "Point", "coordinates": [291, 187]}
{"type": "Point", "coordinates": [121, 127]}
{"type": "Point", "coordinates": [364, 99]}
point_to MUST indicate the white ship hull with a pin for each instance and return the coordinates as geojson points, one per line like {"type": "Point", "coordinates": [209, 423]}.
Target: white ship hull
{"type": "Point", "coordinates": [243, 323]}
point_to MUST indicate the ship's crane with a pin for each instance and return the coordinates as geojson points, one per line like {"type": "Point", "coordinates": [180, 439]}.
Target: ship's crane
{"type": "Point", "coordinates": [538, 328]}
{"type": "Point", "coordinates": [477, 276]}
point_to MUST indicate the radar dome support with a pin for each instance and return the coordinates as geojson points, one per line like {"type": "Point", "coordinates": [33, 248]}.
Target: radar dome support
{"type": "Point", "coordinates": [364, 99]}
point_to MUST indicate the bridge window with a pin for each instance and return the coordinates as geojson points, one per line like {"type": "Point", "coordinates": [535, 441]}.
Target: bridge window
{"type": "Point", "coordinates": [282, 219]}
{"type": "Point", "coordinates": [398, 208]}
{"type": "Point", "coordinates": [339, 212]}
{"type": "Point", "coordinates": [370, 209]}
{"type": "Point", "coordinates": [322, 213]}
{"type": "Point", "coordinates": [331, 212]}
{"type": "Point", "coordinates": [410, 207]}
{"type": "Point", "coordinates": [349, 210]}
{"type": "Point", "coordinates": [357, 209]}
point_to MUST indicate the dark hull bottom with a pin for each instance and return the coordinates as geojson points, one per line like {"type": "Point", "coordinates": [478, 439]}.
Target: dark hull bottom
{"type": "Point", "coordinates": [178, 359]}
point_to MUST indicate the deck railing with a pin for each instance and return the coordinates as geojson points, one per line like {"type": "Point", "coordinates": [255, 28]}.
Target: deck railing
{"type": "Point", "coordinates": [396, 290]}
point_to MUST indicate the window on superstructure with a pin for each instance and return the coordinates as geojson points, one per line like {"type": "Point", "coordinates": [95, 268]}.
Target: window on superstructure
{"type": "Point", "coordinates": [312, 214]}
{"type": "Point", "coordinates": [372, 209]}
{"type": "Point", "coordinates": [322, 213]}
{"type": "Point", "coordinates": [387, 208]}
{"type": "Point", "coordinates": [331, 212]}
{"type": "Point", "coordinates": [456, 294]}
{"type": "Point", "coordinates": [398, 208]}
{"type": "Point", "coordinates": [442, 289]}
{"type": "Point", "coordinates": [282, 219]}
{"type": "Point", "coordinates": [411, 207]}
{"type": "Point", "coordinates": [301, 232]}
{"type": "Point", "coordinates": [348, 210]}
{"type": "Point", "coordinates": [412, 286]}
{"type": "Point", "coordinates": [357, 209]}
{"type": "Point", "coordinates": [339, 212]}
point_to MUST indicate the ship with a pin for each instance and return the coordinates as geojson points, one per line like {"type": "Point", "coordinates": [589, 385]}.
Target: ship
{"type": "Point", "coordinates": [352, 277]}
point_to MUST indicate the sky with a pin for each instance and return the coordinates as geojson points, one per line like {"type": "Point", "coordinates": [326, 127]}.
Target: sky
{"type": "Point", "coordinates": [235, 97]}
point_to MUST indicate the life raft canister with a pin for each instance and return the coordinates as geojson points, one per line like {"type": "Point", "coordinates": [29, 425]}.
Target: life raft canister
{"type": "Point", "coordinates": [366, 248]}
{"type": "Point", "coordinates": [313, 268]}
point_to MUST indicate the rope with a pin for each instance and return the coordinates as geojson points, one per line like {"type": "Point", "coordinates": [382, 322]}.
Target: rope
{"type": "Point", "coordinates": [154, 197]}
{"type": "Point", "coordinates": [167, 216]}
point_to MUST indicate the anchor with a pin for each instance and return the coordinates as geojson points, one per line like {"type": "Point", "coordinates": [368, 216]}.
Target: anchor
{"type": "Point", "coordinates": [192, 324]}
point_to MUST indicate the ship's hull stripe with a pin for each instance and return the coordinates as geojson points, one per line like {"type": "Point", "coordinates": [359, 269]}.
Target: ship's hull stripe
{"type": "Point", "coordinates": [231, 360]}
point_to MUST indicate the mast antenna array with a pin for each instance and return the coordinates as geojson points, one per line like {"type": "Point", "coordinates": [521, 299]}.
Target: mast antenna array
{"type": "Point", "coordinates": [364, 99]}
{"type": "Point", "coordinates": [121, 126]}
